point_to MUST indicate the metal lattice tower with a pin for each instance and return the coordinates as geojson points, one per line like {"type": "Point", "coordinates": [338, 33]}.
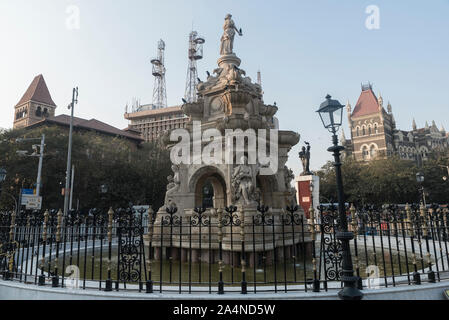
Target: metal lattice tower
{"type": "Point", "coordinates": [160, 90]}
{"type": "Point", "coordinates": [195, 53]}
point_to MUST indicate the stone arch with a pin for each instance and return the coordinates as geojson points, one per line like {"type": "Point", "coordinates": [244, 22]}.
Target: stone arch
{"type": "Point", "coordinates": [215, 177]}
{"type": "Point", "coordinates": [365, 151]}
{"type": "Point", "coordinates": [373, 150]}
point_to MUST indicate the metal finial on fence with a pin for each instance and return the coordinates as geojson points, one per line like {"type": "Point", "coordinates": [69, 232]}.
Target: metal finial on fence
{"type": "Point", "coordinates": [149, 283]}
{"type": "Point", "coordinates": [220, 248]}
{"type": "Point", "coordinates": [55, 278]}
{"type": "Point", "coordinates": [44, 241]}
{"type": "Point", "coordinates": [243, 254]}
{"type": "Point", "coordinates": [425, 232]}
{"type": "Point", "coordinates": [11, 247]}
{"type": "Point", "coordinates": [411, 230]}
{"type": "Point", "coordinates": [108, 286]}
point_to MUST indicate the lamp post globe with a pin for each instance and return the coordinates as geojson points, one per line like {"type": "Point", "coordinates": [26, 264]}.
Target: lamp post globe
{"type": "Point", "coordinates": [331, 114]}
{"type": "Point", "coordinates": [420, 180]}
{"type": "Point", "coordinates": [420, 177]}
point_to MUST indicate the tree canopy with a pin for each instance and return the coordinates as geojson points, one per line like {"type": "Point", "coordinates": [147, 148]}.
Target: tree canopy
{"type": "Point", "coordinates": [130, 174]}
{"type": "Point", "coordinates": [384, 181]}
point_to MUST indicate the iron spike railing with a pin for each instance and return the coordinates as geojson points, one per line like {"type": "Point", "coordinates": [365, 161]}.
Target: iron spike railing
{"type": "Point", "coordinates": [245, 251]}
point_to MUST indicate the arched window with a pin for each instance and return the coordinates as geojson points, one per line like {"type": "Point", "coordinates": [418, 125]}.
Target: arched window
{"type": "Point", "coordinates": [365, 153]}
{"type": "Point", "coordinates": [369, 130]}
{"type": "Point", "coordinates": [357, 131]}
{"type": "Point", "coordinates": [38, 112]}
{"type": "Point", "coordinates": [363, 131]}
{"type": "Point", "coordinates": [373, 152]}
{"type": "Point", "coordinates": [376, 131]}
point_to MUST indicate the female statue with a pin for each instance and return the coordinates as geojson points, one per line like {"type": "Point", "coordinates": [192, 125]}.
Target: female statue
{"type": "Point", "coordinates": [227, 40]}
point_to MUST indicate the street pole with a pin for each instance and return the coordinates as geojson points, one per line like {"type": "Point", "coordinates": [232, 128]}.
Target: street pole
{"type": "Point", "coordinates": [71, 188]}
{"type": "Point", "coordinates": [39, 171]}
{"type": "Point", "coordinates": [350, 290]}
{"type": "Point", "coordinates": [69, 152]}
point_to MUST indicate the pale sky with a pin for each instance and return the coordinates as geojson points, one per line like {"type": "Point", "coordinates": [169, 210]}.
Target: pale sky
{"type": "Point", "coordinates": [304, 49]}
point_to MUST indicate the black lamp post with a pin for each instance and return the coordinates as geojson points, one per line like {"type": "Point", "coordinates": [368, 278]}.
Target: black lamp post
{"type": "Point", "coordinates": [103, 191]}
{"type": "Point", "coordinates": [420, 180]}
{"type": "Point", "coordinates": [331, 114]}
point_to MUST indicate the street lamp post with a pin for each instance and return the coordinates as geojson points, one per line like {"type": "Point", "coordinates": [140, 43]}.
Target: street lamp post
{"type": "Point", "coordinates": [331, 112]}
{"type": "Point", "coordinates": [35, 154]}
{"type": "Point", "coordinates": [420, 180]}
{"type": "Point", "coordinates": [69, 153]}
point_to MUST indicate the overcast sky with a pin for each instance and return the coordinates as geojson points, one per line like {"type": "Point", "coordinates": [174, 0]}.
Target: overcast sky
{"type": "Point", "coordinates": [304, 49]}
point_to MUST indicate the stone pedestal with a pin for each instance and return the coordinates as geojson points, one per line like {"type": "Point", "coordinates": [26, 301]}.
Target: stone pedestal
{"type": "Point", "coordinates": [303, 194]}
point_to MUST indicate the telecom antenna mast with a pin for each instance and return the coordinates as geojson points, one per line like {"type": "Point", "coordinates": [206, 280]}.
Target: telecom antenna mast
{"type": "Point", "coordinates": [195, 53]}
{"type": "Point", "coordinates": [159, 91]}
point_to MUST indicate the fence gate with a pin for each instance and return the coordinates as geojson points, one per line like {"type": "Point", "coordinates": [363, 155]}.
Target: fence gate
{"type": "Point", "coordinates": [331, 253]}
{"type": "Point", "coordinates": [131, 253]}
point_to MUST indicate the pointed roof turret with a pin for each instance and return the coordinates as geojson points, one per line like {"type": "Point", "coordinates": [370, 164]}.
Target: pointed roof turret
{"type": "Point", "coordinates": [442, 129]}
{"type": "Point", "coordinates": [414, 125]}
{"type": "Point", "coordinates": [427, 125]}
{"type": "Point", "coordinates": [367, 103]}
{"type": "Point", "coordinates": [389, 108]}
{"type": "Point", "coordinates": [380, 100]}
{"type": "Point", "coordinates": [342, 136]}
{"type": "Point", "coordinates": [38, 92]}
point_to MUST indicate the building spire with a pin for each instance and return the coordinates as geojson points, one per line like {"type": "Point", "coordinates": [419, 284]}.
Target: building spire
{"type": "Point", "coordinates": [349, 111]}
{"type": "Point", "coordinates": [427, 125]}
{"type": "Point", "coordinates": [442, 129]}
{"type": "Point", "coordinates": [342, 136]}
{"type": "Point", "coordinates": [380, 100]}
{"type": "Point", "coordinates": [389, 108]}
{"type": "Point", "coordinates": [414, 125]}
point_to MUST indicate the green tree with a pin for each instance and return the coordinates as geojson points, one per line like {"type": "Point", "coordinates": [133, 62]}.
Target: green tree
{"type": "Point", "coordinates": [384, 181]}
{"type": "Point", "coordinates": [131, 174]}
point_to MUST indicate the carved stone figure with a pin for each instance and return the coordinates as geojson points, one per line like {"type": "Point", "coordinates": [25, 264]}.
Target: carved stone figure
{"type": "Point", "coordinates": [304, 155]}
{"type": "Point", "coordinates": [288, 177]}
{"type": "Point", "coordinates": [173, 185]}
{"type": "Point", "coordinates": [242, 182]}
{"type": "Point", "coordinates": [227, 40]}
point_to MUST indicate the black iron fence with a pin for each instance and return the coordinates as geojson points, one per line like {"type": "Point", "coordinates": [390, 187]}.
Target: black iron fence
{"type": "Point", "coordinates": [223, 250]}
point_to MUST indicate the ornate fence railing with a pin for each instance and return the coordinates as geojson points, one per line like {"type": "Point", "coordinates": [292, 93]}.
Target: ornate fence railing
{"type": "Point", "coordinates": [223, 250]}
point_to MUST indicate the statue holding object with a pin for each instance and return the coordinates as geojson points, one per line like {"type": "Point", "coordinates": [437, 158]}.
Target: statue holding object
{"type": "Point", "coordinates": [304, 155]}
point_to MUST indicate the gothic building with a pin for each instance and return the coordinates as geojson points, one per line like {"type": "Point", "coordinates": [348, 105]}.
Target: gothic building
{"type": "Point", "coordinates": [374, 134]}
{"type": "Point", "coordinates": [35, 105]}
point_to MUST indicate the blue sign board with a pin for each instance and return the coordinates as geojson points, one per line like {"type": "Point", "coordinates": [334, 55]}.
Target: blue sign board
{"type": "Point", "coordinates": [28, 191]}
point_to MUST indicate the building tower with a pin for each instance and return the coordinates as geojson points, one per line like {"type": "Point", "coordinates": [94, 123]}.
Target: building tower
{"type": "Point", "coordinates": [35, 105]}
{"type": "Point", "coordinates": [195, 53]}
{"type": "Point", "coordinates": [159, 91]}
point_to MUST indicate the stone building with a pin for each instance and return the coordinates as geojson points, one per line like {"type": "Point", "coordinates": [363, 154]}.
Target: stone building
{"type": "Point", "coordinates": [374, 134]}
{"type": "Point", "coordinates": [37, 109]}
{"type": "Point", "coordinates": [35, 105]}
{"type": "Point", "coordinates": [152, 123]}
